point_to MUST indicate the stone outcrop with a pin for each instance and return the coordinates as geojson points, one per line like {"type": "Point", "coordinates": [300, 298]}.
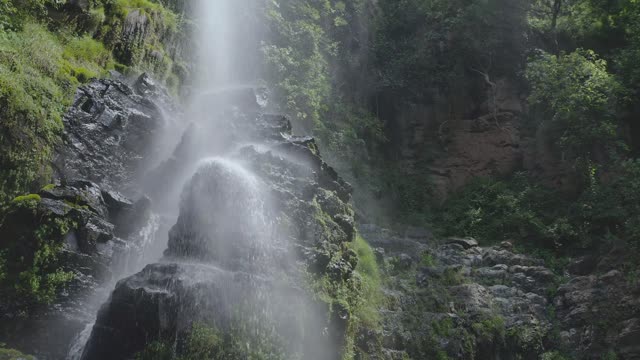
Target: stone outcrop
{"type": "Point", "coordinates": [254, 219]}
{"type": "Point", "coordinates": [598, 308]}
{"type": "Point", "coordinates": [92, 250]}
{"type": "Point", "coordinates": [452, 143]}
{"type": "Point", "coordinates": [464, 301]}
{"type": "Point", "coordinates": [477, 148]}
{"type": "Point", "coordinates": [108, 132]}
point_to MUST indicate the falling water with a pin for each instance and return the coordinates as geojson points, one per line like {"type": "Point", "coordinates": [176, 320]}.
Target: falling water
{"type": "Point", "coordinates": [227, 49]}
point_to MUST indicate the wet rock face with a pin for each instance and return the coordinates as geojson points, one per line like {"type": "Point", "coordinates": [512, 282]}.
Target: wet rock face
{"type": "Point", "coordinates": [470, 302]}
{"type": "Point", "coordinates": [223, 218]}
{"type": "Point", "coordinates": [91, 250]}
{"type": "Point", "coordinates": [166, 299]}
{"type": "Point", "coordinates": [109, 131]}
{"type": "Point", "coordinates": [600, 311]}
{"type": "Point", "coordinates": [255, 224]}
{"type": "Point", "coordinates": [477, 302]}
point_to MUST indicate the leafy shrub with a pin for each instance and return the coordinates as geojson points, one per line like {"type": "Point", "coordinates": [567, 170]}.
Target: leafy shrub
{"type": "Point", "coordinates": [490, 330]}
{"type": "Point", "coordinates": [579, 98]}
{"type": "Point", "coordinates": [519, 209]}
{"type": "Point", "coordinates": [10, 354]}
{"type": "Point", "coordinates": [30, 260]}
{"type": "Point", "coordinates": [493, 210]}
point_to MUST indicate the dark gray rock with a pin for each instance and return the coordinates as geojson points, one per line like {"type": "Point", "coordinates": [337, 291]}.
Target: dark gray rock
{"type": "Point", "coordinates": [466, 243]}
{"type": "Point", "coordinates": [275, 211]}
{"type": "Point", "coordinates": [90, 251]}
{"type": "Point", "coordinates": [165, 299]}
{"type": "Point", "coordinates": [108, 131]}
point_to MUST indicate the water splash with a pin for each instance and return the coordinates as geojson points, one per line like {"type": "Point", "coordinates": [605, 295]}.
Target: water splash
{"type": "Point", "coordinates": [129, 259]}
{"type": "Point", "coordinates": [75, 352]}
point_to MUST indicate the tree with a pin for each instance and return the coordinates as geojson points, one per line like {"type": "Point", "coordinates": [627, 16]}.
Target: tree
{"type": "Point", "coordinates": [576, 99]}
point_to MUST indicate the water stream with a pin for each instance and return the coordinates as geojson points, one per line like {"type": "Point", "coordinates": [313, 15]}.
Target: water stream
{"type": "Point", "coordinates": [227, 48]}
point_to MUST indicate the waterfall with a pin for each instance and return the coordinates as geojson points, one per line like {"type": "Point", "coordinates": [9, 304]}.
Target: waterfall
{"type": "Point", "coordinates": [227, 49]}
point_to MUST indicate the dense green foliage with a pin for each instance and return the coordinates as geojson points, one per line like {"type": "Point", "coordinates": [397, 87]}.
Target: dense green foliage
{"type": "Point", "coordinates": [422, 47]}
{"type": "Point", "coordinates": [315, 54]}
{"type": "Point", "coordinates": [31, 272]}
{"type": "Point", "coordinates": [575, 59]}
{"type": "Point", "coordinates": [10, 354]}
{"type": "Point", "coordinates": [519, 208]}
{"type": "Point", "coordinates": [581, 104]}
{"type": "Point", "coordinates": [43, 60]}
{"type": "Point", "coordinates": [576, 94]}
{"type": "Point", "coordinates": [38, 75]}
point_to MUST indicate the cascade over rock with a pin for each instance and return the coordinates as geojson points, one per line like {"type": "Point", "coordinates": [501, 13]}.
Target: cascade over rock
{"type": "Point", "coordinates": [108, 131]}
{"type": "Point", "coordinates": [245, 223]}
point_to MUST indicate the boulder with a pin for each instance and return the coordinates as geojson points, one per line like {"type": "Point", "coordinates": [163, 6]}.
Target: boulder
{"type": "Point", "coordinates": [466, 243]}
{"type": "Point", "coordinates": [253, 225]}
{"type": "Point", "coordinates": [108, 132]}
{"type": "Point", "coordinates": [165, 299]}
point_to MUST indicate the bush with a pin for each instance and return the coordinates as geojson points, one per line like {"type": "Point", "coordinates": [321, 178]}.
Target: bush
{"type": "Point", "coordinates": [496, 210]}
{"type": "Point", "coordinates": [491, 330]}
{"type": "Point", "coordinates": [578, 98]}
{"type": "Point", "coordinates": [30, 270]}
{"type": "Point", "coordinates": [519, 209]}
{"type": "Point", "coordinates": [10, 354]}
{"type": "Point", "coordinates": [33, 96]}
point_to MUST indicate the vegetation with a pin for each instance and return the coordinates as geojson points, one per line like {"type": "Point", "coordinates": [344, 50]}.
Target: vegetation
{"type": "Point", "coordinates": [43, 60]}
{"type": "Point", "coordinates": [31, 273]}
{"type": "Point", "coordinates": [490, 330]}
{"type": "Point", "coordinates": [205, 342]}
{"type": "Point", "coordinates": [10, 354]}
{"type": "Point", "coordinates": [368, 309]}
{"type": "Point", "coordinates": [519, 208]}
{"type": "Point", "coordinates": [576, 95]}
{"type": "Point", "coordinates": [581, 86]}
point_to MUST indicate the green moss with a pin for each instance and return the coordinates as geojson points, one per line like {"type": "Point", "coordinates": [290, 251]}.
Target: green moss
{"type": "Point", "coordinates": [368, 310]}
{"type": "Point", "coordinates": [10, 354]}
{"type": "Point", "coordinates": [32, 272]}
{"type": "Point", "coordinates": [427, 259]}
{"type": "Point", "coordinates": [31, 198]}
{"type": "Point", "coordinates": [207, 342]}
{"type": "Point", "coordinates": [76, 205]}
{"type": "Point", "coordinates": [490, 330]}
{"type": "Point", "coordinates": [33, 95]}
{"type": "Point", "coordinates": [48, 187]}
